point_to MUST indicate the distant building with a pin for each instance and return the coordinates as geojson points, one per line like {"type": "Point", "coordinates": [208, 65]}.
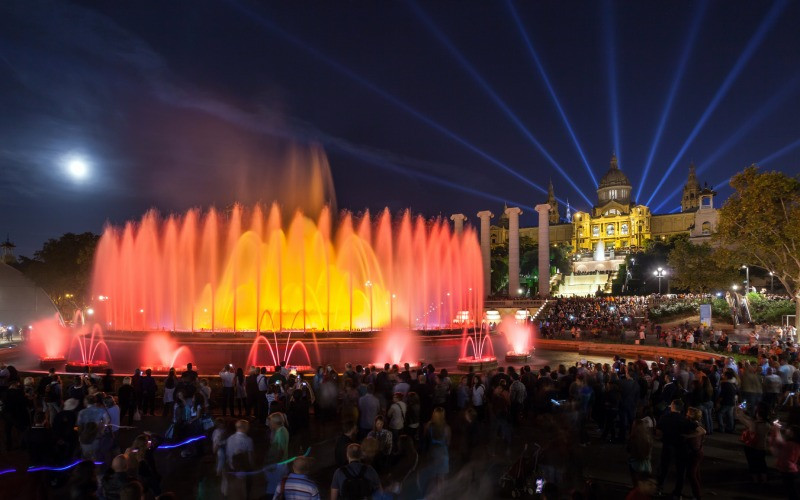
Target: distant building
{"type": "Point", "coordinates": [617, 225]}
{"type": "Point", "coordinates": [7, 249]}
{"type": "Point", "coordinates": [22, 302]}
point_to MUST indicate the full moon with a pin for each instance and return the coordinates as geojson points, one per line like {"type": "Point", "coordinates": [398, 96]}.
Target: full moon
{"type": "Point", "coordinates": [77, 168]}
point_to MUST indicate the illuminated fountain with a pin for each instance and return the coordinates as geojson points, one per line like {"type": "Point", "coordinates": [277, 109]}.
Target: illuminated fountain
{"type": "Point", "coordinates": [482, 357]}
{"type": "Point", "coordinates": [397, 347]}
{"type": "Point", "coordinates": [91, 352]}
{"type": "Point", "coordinates": [518, 332]}
{"type": "Point", "coordinates": [160, 352]}
{"type": "Point", "coordinates": [229, 271]}
{"type": "Point", "coordinates": [49, 340]}
{"type": "Point", "coordinates": [276, 357]}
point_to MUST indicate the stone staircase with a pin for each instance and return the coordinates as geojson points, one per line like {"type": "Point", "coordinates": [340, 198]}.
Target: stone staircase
{"type": "Point", "coordinates": [583, 284]}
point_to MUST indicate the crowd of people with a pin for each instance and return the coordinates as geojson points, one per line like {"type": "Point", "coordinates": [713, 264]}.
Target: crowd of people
{"type": "Point", "coordinates": [591, 317]}
{"type": "Point", "coordinates": [404, 431]}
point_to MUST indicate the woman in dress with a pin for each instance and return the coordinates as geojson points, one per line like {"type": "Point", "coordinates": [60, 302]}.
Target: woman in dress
{"type": "Point", "coordinates": [436, 440]}
{"type": "Point", "coordinates": [695, 444]}
{"type": "Point", "coordinates": [240, 392]}
{"type": "Point", "coordinates": [755, 441]}
{"type": "Point", "coordinates": [169, 393]}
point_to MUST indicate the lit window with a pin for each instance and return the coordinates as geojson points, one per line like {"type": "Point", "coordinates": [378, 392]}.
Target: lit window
{"type": "Point", "coordinates": [623, 229]}
{"type": "Point", "coordinates": [706, 228]}
{"type": "Point", "coordinates": [610, 230]}
{"type": "Point", "coordinates": [595, 230]}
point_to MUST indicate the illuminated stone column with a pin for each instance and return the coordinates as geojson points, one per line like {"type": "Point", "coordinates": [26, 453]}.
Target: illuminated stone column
{"type": "Point", "coordinates": [513, 214]}
{"type": "Point", "coordinates": [485, 218]}
{"type": "Point", "coordinates": [458, 222]}
{"type": "Point", "coordinates": [544, 249]}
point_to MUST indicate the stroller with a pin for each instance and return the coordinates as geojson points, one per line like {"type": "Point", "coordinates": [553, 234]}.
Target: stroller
{"type": "Point", "coordinates": [523, 477]}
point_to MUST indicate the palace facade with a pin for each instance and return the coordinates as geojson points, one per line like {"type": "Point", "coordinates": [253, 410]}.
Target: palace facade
{"type": "Point", "coordinates": [616, 224]}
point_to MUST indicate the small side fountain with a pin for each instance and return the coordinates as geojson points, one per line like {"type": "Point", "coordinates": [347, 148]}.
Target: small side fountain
{"type": "Point", "coordinates": [397, 347]}
{"type": "Point", "coordinates": [518, 334]}
{"type": "Point", "coordinates": [162, 352]}
{"type": "Point", "coordinates": [92, 351]}
{"type": "Point", "coordinates": [276, 356]}
{"type": "Point", "coordinates": [49, 340]}
{"type": "Point", "coordinates": [482, 357]}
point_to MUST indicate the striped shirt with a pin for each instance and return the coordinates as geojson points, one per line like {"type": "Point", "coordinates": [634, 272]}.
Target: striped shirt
{"type": "Point", "coordinates": [297, 487]}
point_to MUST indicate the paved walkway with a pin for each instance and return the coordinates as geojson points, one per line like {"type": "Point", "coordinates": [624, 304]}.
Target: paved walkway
{"type": "Point", "coordinates": [724, 470]}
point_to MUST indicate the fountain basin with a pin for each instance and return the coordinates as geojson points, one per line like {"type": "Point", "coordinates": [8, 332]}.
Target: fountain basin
{"type": "Point", "coordinates": [80, 366]}
{"type": "Point", "coordinates": [518, 357]}
{"type": "Point", "coordinates": [484, 363]}
{"type": "Point", "coordinates": [52, 362]}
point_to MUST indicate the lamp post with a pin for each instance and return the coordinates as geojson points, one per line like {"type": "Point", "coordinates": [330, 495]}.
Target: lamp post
{"type": "Point", "coordinates": [771, 281]}
{"type": "Point", "coordinates": [747, 279]}
{"type": "Point", "coordinates": [368, 284]}
{"type": "Point", "coordinates": [391, 311]}
{"type": "Point", "coordinates": [660, 273]}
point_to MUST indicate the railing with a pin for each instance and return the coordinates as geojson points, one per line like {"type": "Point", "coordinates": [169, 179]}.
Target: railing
{"type": "Point", "coordinates": [518, 303]}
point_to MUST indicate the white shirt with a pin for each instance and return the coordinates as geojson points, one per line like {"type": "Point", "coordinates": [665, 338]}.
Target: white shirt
{"type": "Point", "coordinates": [113, 412]}
{"type": "Point", "coordinates": [396, 414]}
{"type": "Point", "coordinates": [236, 444]}
{"type": "Point", "coordinates": [227, 378]}
{"type": "Point", "coordinates": [263, 382]}
{"type": "Point", "coordinates": [478, 395]}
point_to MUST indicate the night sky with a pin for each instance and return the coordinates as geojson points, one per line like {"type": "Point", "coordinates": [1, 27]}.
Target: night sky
{"type": "Point", "coordinates": [443, 107]}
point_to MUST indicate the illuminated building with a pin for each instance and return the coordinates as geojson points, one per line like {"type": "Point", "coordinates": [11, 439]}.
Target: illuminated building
{"type": "Point", "coordinates": [600, 237]}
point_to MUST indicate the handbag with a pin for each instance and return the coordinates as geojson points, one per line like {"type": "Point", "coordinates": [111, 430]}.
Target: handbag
{"type": "Point", "coordinates": [748, 437]}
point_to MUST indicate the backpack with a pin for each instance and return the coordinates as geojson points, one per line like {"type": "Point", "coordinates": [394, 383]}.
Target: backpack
{"type": "Point", "coordinates": [355, 487]}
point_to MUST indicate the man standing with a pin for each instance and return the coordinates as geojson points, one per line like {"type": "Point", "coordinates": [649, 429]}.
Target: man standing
{"type": "Point", "coordinates": [354, 480]}
{"type": "Point", "coordinates": [262, 382]}
{"type": "Point", "coordinates": [368, 408]}
{"type": "Point", "coordinates": [149, 389]}
{"type": "Point", "coordinates": [251, 389]}
{"type": "Point", "coordinates": [397, 415]}
{"type": "Point", "coordinates": [239, 453]}
{"type": "Point", "coordinates": [727, 400]}
{"type": "Point", "coordinates": [227, 375]}
{"type": "Point", "coordinates": [297, 485]}
{"type": "Point", "coordinates": [672, 427]}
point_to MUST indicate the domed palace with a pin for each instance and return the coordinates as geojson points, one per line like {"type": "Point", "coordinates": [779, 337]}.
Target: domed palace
{"type": "Point", "coordinates": [616, 225]}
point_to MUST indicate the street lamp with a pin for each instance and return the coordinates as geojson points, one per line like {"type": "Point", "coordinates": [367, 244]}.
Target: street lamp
{"type": "Point", "coordinates": [368, 284]}
{"type": "Point", "coordinates": [771, 281]}
{"type": "Point", "coordinates": [660, 273]}
{"type": "Point", "coordinates": [391, 311]}
{"type": "Point", "coordinates": [747, 279]}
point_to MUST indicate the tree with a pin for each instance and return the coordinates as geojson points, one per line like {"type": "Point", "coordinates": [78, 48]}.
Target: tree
{"type": "Point", "coordinates": [759, 224]}
{"type": "Point", "coordinates": [498, 262]}
{"type": "Point", "coordinates": [63, 269]}
{"type": "Point", "coordinates": [698, 268]}
{"type": "Point", "coordinates": [642, 264]}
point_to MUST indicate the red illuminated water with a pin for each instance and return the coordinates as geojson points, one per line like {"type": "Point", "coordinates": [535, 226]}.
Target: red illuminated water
{"type": "Point", "coordinates": [49, 339]}
{"type": "Point", "coordinates": [397, 346]}
{"type": "Point", "coordinates": [160, 352]}
{"type": "Point", "coordinates": [518, 334]}
{"type": "Point", "coordinates": [477, 346]}
{"type": "Point", "coordinates": [245, 270]}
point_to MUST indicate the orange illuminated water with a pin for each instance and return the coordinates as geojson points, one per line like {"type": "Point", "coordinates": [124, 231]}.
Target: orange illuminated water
{"type": "Point", "coordinates": [247, 270]}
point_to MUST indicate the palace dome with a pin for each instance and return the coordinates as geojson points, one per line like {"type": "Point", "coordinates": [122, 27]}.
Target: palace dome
{"type": "Point", "coordinates": [614, 176]}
